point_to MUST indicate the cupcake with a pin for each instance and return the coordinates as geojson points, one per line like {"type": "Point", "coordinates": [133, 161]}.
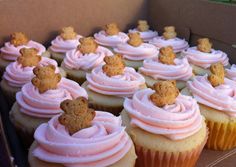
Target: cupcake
{"type": "Point", "coordinates": [166, 67]}
{"type": "Point", "coordinates": [20, 72]}
{"type": "Point", "coordinates": [231, 72]}
{"type": "Point", "coordinates": [11, 50]}
{"type": "Point", "coordinates": [66, 41]}
{"type": "Point", "coordinates": [107, 85]}
{"type": "Point", "coordinates": [84, 58]}
{"type": "Point", "coordinates": [216, 97]}
{"type": "Point", "coordinates": [169, 38]}
{"type": "Point", "coordinates": [145, 33]}
{"type": "Point", "coordinates": [202, 56]}
{"type": "Point", "coordinates": [110, 36]}
{"type": "Point", "coordinates": [39, 100]}
{"type": "Point", "coordinates": [166, 127]}
{"type": "Point", "coordinates": [82, 137]}
{"type": "Point", "coordinates": [135, 51]}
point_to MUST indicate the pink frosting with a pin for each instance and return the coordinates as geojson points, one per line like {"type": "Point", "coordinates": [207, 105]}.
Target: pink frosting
{"type": "Point", "coordinates": [222, 97]}
{"type": "Point", "coordinates": [231, 73]}
{"type": "Point", "coordinates": [47, 104]}
{"type": "Point", "coordinates": [137, 53]}
{"type": "Point", "coordinates": [10, 52]}
{"type": "Point", "coordinates": [205, 60]}
{"type": "Point", "coordinates": [102, 144]}
{"type": "Point", "coordinates": [145, 35]}
{"type": "Point", "coordinates": [62, 46]}
{"type": "Point", "coordinates": [17, 76]}
{"type": "Point", "coordinates": [177, 43]}
{"type": "Point", "coordinates": [76, 60]}
{"type": "Point", "coordinates": [157, 70]}
{"type": "Point", "coordinates": [120, 85]}
{"type": "Point", "coordinates": [177, 121]}
{"type": "Point", "coordinates": [106, 40]}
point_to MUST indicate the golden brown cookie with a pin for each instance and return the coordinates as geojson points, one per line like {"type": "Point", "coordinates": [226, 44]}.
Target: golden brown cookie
{"type": "Point", "coordinates": [18, 38]}
{"type": "Point", "coordinates": [169, 32]}
{"type": "Point", "coordinates": [77, 115]}
{"type": "Point", "coordinates": [68, 33]}
{"type": "Point", "coordinates": [143, 25]}
{"type": "Point", "coordinates": [217, 75]}
{"type": "Point", "coordinates": [87, 45]}
{"type": "Point", "coordinates": [29, 57]}
{"type": "Point", "coordinates": [112, 29]}
{"type": "Point", "coordinates": [114, 65]}
{"type": "Point", "coordinates": [165, 93]}
{"type": "Point", "coordinates": [204, 45]}
{"type": "Point", "coordinates": [135, 39]}
{"type": "Point", "coordinates": [46, 78]}
{"type": "Point", "coordinates": [167, 55]}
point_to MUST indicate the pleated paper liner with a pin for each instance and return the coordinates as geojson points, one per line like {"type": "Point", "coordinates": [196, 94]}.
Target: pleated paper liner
{"type": "Point", "coordinates": [152, 158]}
{"type": "Point", "coordinates": [222, 136]}
{"type": "Point", "coordinates": [114, 110]}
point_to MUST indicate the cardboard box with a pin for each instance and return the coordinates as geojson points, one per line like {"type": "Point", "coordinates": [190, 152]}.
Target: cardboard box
{"type": "Point", "coordinates": [41, 20]}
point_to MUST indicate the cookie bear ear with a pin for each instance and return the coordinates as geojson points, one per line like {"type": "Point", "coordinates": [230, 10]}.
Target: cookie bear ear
{"type": "Point", "coordinates": [81, 40]}
{"type": "Point", "coordinates": [36, 70]}
{"type": "Point", "coordinates": [107, 59]}
{"type": "Point", "coordinates": [82, 99]}
{"type": "Point", "coordinates": [52, 67]}
{"type": "Point", "coordinates": [90, 38]}
{"type": "Point", "coordinates": [64, 105]}
{"type": "Point", "coordinates": [173, 82]}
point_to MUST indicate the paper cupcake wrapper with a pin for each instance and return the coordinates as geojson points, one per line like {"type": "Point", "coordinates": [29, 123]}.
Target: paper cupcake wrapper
{"type": "Point", "coordinates": [152, 158]}
{"type": "Point", "coordinates": [114, 110]}
{"type": "Point", "coordinates": [222, 136]}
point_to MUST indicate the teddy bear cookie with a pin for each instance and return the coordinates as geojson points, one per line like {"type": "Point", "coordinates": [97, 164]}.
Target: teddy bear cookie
{"type": "Point", "coordinates": [167, 55]}
{"type": "Point", "coordinates": [143, 26]}
{"type": "Point", "coordinates": [45, 78]}
{"type": "Point", "coordinates": [87, 45]}
{"type": "Point", "coordinates": [204, 45]}
{"type": "Point", "coordinates": [135, 39]}
{"type": "Point", "coordinates": [165, 93]}
{"type": "Point", "coordinates": [112, 29]}
{"type": "Point", "coordinates": [18, 39]}
{"type": "Point", "coordinates": [217, 75]}
{"type": "Point", "coordinates": [169, 32]}
{"type": "Point", "coordinates": [68, 33]}
{"type": "Point", "coordinates": [29, 57]}
{"type": "Point", "coordinates": [77, 115]}
{"type": "Point", "coordinates": [114, 65]}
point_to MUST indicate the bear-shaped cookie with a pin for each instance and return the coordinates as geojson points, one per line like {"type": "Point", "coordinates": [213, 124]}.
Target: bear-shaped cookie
{"type": "Point", "coordinates": [112, 29]}
{"type": "Point", "coordinates": [29, 57]}
{"type": "Point", "coordinates": [217, 75]}
{"type": "Point", "coordinates": [143, 25]}
{"type": "Point", "coordinates": [135, 39]}
{"type": "Point", "coordinates": [167, 55]}
{"type": "Point", "coordinates": [68, 33]}
{"type": "Point", "coordinates": [18, 39]}
{"type": "Point", "coordinates": [204, 45]}
{"type": "Point", "coordinates": [169, 32]}
{"type": "Point", "coordinates": [87, 45]}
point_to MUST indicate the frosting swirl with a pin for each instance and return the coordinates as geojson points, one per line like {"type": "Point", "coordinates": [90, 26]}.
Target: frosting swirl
{"type": "Point", "coordinates": [103, 39]}
{"type": "Point", "coordinates": [222, 97]}
{"type": "Point", "coordinates": [157, 70]}
{"type": "Point", "coordinates": [102, 144]}
{"type": "Point", "coordinates": [177, 43]}
{"type": "Point", "coordinates": [205, 60]}
{"type": "Point", "coordinates": [62, 46]}
{"type": "Point", "coordinates": [10, 52]}
{"type": "Point", "coordinates": [120, 85]}
{"type": "Point", "coordinates": [47, 105]}
{"type": "Point", "coordinates": [177, 121]}
{"type": "Point", "coordinates": [74, 59]}
{"type": "Point", "coordinates": [231, 73]}
{"type": "Point", "coordinates": [137, 53]}
{"type": "Point", "coordinates": [17, 76]}
{"type": "Point", "coordinates": [145, 35]}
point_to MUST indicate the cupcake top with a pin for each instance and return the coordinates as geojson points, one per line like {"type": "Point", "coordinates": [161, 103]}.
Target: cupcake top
{"type": "Point", "coordinates": [135, 49]}
{"type": "Point", "coordinates": [215, 91]}
{"type": "Point", "coordinates": [66, 41]}
{"type": "Point", "coordinates": [20, 72]}
{"type": "Point", "coordinates": [114, 78]}
{"type": "Point", "coordinates": [231, 73]}
{"type": "Point", "coordinates": [167, 67]}
{"type": "Point", "coordinates": [111, 36]}
{"type": "Point", "coordinates": [82, 146]}
{"type": "Point", "coordinates": [11, 50]}
{"type": "Point", "coordinates": [163, 111]}
{"type": "Point", "coordinates": [87, 56]}
{"type": "Point", "coordinates": [42, 96]}
{"type": "Point", "coordinates": [203, 55]}
{"type": "Point", "coordinates": [169, 39]}
{"type": "Point", "coordinates": [143, 28]}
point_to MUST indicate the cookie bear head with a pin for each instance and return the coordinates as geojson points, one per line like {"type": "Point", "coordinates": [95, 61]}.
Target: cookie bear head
{"type": "Point", "coordinates": [68, 33]}
{"type": "Point", "coordinates": [143, 25]}
{"type": "Point", "coordinates": [45, 78]}
{"type": "Point", "coordinates": [135, 39]}
{"type": "Point", "coordinates": [77, 115]}
{"type": "Point", "coordinates": [165, 93]}
{"type": "Point", "coordinates": [18, 39]}
{"type": "Point", "coordinates": [29, 57]}
{"type": "Point", "coordinates": [112, 29]}
{"type": "Point", "coordinates": [169, 32]}
{"type": "Point", "coordinates": [167, 55]}
{"type": "Point", "coordinates": [217, 75]}
{"type": "Point", "coordinates": [87, 45]}
{"type": "Point", "coordinates": [114, 65]}
{"type": "Point", "coordinates": [204, 45]}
